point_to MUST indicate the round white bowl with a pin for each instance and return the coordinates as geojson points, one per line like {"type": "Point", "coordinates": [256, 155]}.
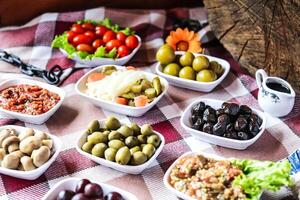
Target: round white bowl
{"type": "Point", "coordinates": [34, 119]}
{"type": "Point", "coordinates": [123, 168]}
{"type": "Point", "coordinates": [105, 61]}
{"type": "Point", "coordinates": [192, 84]}
{"type": "Point", "coordinates": [70, 184]}
{"type": "Point", "coordinates": [115, 107]}
{"type": "Point", "coordinates": [33, 174]}
{"type": "Point", "coordinates": [214, 139]}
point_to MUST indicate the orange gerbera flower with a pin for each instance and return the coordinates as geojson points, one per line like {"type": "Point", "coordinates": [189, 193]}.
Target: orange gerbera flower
{"type": "Point", "coordinates": [184, 40]}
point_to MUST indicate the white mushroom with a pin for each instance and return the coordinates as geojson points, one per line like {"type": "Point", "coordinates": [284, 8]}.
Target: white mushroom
{"type": "Point", "coordinates": [28, 132]}
{"type": "Point", "coordinates": [27, 163]}
{"type": "Point", "coordinates": [9, 140]}
{"type": "Point", "coordinates": [20, 167]}
{"type": "Point", "coordinates": [29, 144]}
{"type": "Point", "coordinates": [42, 135]}
{"type": "Point", "coordinates": [2, 154]}
{"type": "Point", "coordinates": [10, 161]}
{"type": "Point", "coordinates": [40, 156]}
{"type": "Point", "coordinates": [13, 147]}
{"type": "Point", "coordinates": [17, 153]}
{"type": "Point", "coordinates": [4, 134]}
{"type": "Point", "coordinates": [48, 143]}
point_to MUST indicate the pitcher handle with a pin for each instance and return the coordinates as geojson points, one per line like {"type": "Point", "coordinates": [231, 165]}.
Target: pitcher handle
{"type": "Point", "coordinates": [260, 75]}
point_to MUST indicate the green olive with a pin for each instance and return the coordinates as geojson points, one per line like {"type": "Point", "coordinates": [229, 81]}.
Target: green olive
{"type": "Point", "coordinates": [157, 85]}
{"type": "Point", "coordinates": [142, 146]}
{"type": "Point", "coordinates": [145, 84]}
{"type": "Point", "coordinates": [98, 150]}
{"type": "Point", "coordinates": [149, 150]}
{"type": "Point", "coordinates": [216, 67]}
{"type": "Point", "coordinates": [165, 55]}
{"type": "Point", "coordinates": [172, 69]}
{"type": "Point", "coordinates": [150, 93]}
{"type": "Point", "coordinates": [110, 154]}
{"type": "Point", "coordinates": [131, 141]}
{"type": "Point", "coordinates": [186, 59]}
{"type": "Point", "coordinates": [142, 139]}
{"type": "Point", "coordinates": [136, 89]}
{"type": "Point", "coordinates": [97, 137]}
{"type": "Point", "coordinates": [114, 135]}
{"type": "Point", "coordinates": [135, 149]}
{"type": "Point", "coordinates": [206, 76]}
{"type": "Point", "coordinates": [138, 158]}
{"type": "Point", "coordinates": [154, 140]}
{"type": "Point", "coordinates": [93, 126]}
{"type": "Point", "coordinates": [146, 130]}
{"type": "Point", "coordinates": [123, 156]}
{"type": "Point", "coordinates": [136, 129]}
{"type": "Point", "coordinates": [106, 133]}
{"type": "Point", "coordinates": [125, 131]}
{"type": "Point", "coordinates": [107, 68]}
{"type": "Point", "coordinates": [87, 147]}
{"type": "Point", "coordinates": [112, 123]}
{"type": "Point", "coordinates": [116, 144]}
{"type": "Point", "coordinates": [200, 63]}
{"type": "Point", "coordinates": [187, 73]}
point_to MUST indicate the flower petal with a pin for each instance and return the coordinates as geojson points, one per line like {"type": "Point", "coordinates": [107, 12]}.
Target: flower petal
{"type": "Point", "coordinates": [195, 47]}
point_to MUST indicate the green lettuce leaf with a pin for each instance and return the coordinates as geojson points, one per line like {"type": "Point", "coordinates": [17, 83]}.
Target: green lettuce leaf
{"type": "Point", "coordinates": [262, 175]}
{"type": "Point", "coordinates": [61, 41]}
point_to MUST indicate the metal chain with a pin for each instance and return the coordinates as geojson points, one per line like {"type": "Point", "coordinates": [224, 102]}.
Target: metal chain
{"type": "Point", "coordinates": [52, 76]}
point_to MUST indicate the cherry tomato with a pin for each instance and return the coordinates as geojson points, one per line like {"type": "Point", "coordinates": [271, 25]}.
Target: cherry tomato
{"type": "Point", "coordinates": [90, 34]}
{"type": "Point", "coordinates": [121, 36]}
{"type": "Point", "coordinates": [112, 44]}
{"type": "Point", "coordinates": [88, 26]}
{"type": "Point", "coordinates": [77, 28]}
{"type": "Point", "coordinates": [97, 43]}
{"type": "Point", "coordinates": [79, 39]}
{"type": "Point", "coordinates": [131, 42]}
{"type": "Point", "coordinates": [109, 35]}
{"type": "Point", "coordinates": [100, 30]}
{"type": "Point", "coordinates": [123, 51]}
{"type": "Point", "coordinates": [71, 35]}
{"type": "Point", "coordinates": [85, 47]}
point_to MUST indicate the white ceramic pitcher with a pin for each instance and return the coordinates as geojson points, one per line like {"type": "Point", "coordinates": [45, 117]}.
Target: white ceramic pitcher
{"type": "Point", "coordinates": [275, 102]}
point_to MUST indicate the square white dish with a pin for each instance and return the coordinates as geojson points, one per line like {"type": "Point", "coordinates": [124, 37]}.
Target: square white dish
{"type": "Point", "coordinates": [193, 84]}
{"type": "Point", "coordinates": [114, 107]}
{"type": "Point", "coordinates": [34, 119]}
{"type": "Point", "coordinates": [123, 168]}
{"type": "Point", "coordinates": [105, 61]}
{"type": "Point", "coordinates": [70, 184]}
{"type": "Point", "coordinates": [214, 139]}
{"type": "Point", "coordinates": [33, 174]}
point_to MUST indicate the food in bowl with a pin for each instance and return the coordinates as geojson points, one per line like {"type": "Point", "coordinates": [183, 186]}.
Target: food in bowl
{"type": "Point", "coordinates": [129, 144]}
{"type": "Point", "coordinates": [85, 190]}
{"type": "Point", "coordinates": [205, 177]}
{"type": "Point", "coordinates": [26, 150]}
{"type": "Point", "coordinates": [231, 120]}
{"type": "Point", "coordinates": [187, 66]}
{"type": "Point", "coordinates": [28, 99]}
{"type": "Point", "coordinates": [126, 86]}
{"type": "Point", "coordinates": [90, 39]}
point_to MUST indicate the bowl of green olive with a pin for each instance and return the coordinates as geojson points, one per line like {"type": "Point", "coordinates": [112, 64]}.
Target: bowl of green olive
{"type": "Point", "coordinates": [191, 70]}
{"type": "Point", "coordinates": [128, 148]}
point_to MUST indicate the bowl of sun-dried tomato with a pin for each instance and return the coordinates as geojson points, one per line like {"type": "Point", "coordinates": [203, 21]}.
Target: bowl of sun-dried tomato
{"type": "Point", "coordinates": [29, 100]}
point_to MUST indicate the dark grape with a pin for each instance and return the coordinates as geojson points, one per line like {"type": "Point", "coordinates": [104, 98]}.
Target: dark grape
{"type": "Point", "coordinates": [93, 190]}
{"type": "Point", "coordinates": [113, 196]}
{"type": "Point", "coordinates": [80, 196]}
{"type": "Point", "coordinates": [65, 195]}
{"type": "Point", "coordinates": [81, 185]}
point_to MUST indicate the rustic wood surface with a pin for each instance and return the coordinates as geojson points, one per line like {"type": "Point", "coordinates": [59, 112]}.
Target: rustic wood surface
{"type": "Point", "coordinates": [260, 34]}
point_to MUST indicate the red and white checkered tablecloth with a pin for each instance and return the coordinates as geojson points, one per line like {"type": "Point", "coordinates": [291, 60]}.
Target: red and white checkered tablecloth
{"type": "Point", "coordinates": [32, 43]}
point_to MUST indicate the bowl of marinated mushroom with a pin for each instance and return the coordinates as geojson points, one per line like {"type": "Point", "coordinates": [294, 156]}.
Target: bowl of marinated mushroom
{"type": "Point", "coordinates": [26, 153]}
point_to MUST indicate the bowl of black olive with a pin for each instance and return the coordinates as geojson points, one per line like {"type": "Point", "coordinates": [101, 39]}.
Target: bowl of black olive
{"type": "Point", "coordinates": [223, 123]}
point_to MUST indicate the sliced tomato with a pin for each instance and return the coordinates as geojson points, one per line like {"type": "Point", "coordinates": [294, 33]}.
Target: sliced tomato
{"type": "Point", "coordinates": [141, 101]}
{"type": "Point", "coordinates": [121, 100]}
{"type": "Point", "coordinates": [95, 77]}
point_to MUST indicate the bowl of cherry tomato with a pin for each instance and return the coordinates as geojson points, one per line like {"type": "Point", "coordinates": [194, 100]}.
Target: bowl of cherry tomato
{"type": "Point", "coordinates": [95, 43]}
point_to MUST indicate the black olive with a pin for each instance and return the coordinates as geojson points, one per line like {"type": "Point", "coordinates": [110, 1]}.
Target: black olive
{"type": "Point", "coordinates": [253, 128]}
{"type": "Point", "coordinates": [208, 128]}
{"type": "Point", "coordinates": [198, 108]}
{"type": "Point", "coordinates": [231, 135]}
{"type": "Point", "coordinates": [225, 104]}
{"type": "Point", "coordinates": [198, 124]}
{"type": "Point", "coordinates": [232, 109]}
{"type": "Point", "coordinates": [219, 129]}
{"type": "Point", "coordinates": [256, 119]}
{"type": "Point", "coordinates": [210, 118]}
{"type": "Point", "coordinates": [220, 111]}
{"type": "Point", "coordinates": [230, 128]}
{"type": "Point", "coordinates": [209, 110]}
{"type": "Point", "coordinates": [243, 136]}
{"type": "Point", "coordinates": [245, 110]}
{"type": "Point", "coordinates": [240, 124]}
{"type": "Point", "coordinates": [224, 119]}
{"type": "Point", "coordinates": [194, 118]}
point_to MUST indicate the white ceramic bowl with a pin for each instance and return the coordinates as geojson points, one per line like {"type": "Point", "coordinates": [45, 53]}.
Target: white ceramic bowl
{"type": "Point", "coordinates": [114, 107]}
{"type": "Point", "coordinates": [33, 174]}
{"type": "Point", "coordinates": [70, 184]}
{"type": "Point", "coordinates": [214, 139]}
{"type": "Point", "coordinates": [34, 119]}
{"type": "Point", "coordinates": [105, 61]}
{"type": "Point", "coordinates": [191, 84]}
{"type": "Point", "coordinates": [123, 168]}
